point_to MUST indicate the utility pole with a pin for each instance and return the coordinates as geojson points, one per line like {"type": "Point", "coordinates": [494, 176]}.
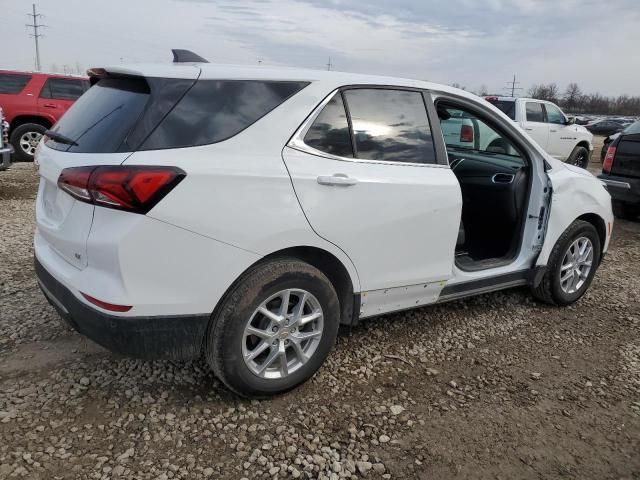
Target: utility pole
{"type": "Point", "coordinates": [329, 64]}
{"type": "Point", "coordinates": [35, 16]}
{"type": "Point", "coordinates": [512, 86]}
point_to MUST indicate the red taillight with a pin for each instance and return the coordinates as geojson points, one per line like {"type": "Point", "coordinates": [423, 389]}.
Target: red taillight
{"type": "Point", "coordinates": [107, 306]}
{"type": "Point", "coordinates": [133, 188]}
{"type": "Point", "coordinates": [608, 160]}
{"type": "Point", "coordinates": [466, 134]}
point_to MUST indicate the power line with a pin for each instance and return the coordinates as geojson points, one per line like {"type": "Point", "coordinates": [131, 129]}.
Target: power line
{"type": "Point", "coordinates": [512, 86]}
{"type": "Point", "coordinates": [35, 33]}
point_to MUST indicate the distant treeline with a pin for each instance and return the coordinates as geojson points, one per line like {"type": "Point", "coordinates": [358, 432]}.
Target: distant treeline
{"type": "Point", "coordinates": [574, 101]}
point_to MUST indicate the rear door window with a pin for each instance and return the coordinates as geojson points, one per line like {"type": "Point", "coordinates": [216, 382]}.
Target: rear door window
{"type": "Point", "coordinates": [215, 110]}
{"type": "Point", "coordinates": [390, 125]}
{"type": "Point", "coordinates": [12, 83]}
{"type": "Point", "coordinates": [329, 132]}
{"type": "Point", "coordinates": [534, 112]}
{"type": "Point", "coordinates": [62, 89]}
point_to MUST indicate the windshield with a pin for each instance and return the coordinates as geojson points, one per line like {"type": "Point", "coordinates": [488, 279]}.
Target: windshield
{"type": "Point", "coordinates": [508, 107]}
{"type": "Point", "coordinates": [633, 128]}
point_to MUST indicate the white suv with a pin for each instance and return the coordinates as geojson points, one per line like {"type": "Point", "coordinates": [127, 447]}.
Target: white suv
{"type": "Point", "coordinates": [244, 213]}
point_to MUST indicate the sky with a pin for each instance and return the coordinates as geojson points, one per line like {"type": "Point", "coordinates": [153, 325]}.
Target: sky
{"type": "Point", "coordinates": [472, 43]}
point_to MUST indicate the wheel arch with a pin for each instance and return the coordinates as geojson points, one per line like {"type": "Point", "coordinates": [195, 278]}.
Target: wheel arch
{"type": "Point", "coordinates": [334, 269]}
{"type": "Point", "coordinates": [583, 143]}
{"type": "Point", "coordinates": [600, 225]}
{"type": "Point", "coordinates": [22, 119]}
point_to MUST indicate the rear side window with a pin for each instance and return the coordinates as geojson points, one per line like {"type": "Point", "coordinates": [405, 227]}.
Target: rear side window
{"type": "Point", "coordinates": [62, 89]}
{"type": "Point", "coordinates": [11, 83]}
{"type": "Point", "coordinates": [508, 107]}
{"type": "Point", "coordinates": [330, 130]}
{"type": "Point", "coordinates": [390, 125]}
{"type": "Point", "coordinates": [215, 110]}
{"type": "Point", "coordinates": [534, 112]}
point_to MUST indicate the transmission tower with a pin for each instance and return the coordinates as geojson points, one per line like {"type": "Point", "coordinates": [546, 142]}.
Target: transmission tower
{"type": "Point", "coordinates": [35, 25]}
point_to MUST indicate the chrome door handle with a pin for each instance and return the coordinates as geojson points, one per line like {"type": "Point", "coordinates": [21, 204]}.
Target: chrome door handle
{"type": "Point", "coordinates": [337, 179]}
{"type": "Point", "coordinates": [553, 131]}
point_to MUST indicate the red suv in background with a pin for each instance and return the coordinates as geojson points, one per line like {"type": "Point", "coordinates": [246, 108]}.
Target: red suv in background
{"type": "Point", "coordinates": [33, 102]}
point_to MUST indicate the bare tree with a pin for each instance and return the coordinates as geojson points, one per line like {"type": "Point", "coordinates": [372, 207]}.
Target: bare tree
{"type": "Point", "coordinates": [572, 96]}
{"type": "Point", "coordinates": [483, 91]}
{"type": "Point", "coordinates": [457, 85]}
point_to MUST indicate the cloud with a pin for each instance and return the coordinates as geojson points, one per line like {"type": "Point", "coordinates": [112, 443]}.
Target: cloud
{"type": "Point", "coordinates": [465, 41]}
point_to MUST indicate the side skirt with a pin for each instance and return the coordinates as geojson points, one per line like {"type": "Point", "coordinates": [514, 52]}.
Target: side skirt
{"type": "Point", "coordinates": [485, 285]}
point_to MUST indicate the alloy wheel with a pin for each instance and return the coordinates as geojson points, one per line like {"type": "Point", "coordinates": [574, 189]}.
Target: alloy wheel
{"type": "Point", "coordinates": [29, 142]}
{"type": "Point", "coordinates": [282, 334]}
{"type": "Point", "coordinates": [576, 265]}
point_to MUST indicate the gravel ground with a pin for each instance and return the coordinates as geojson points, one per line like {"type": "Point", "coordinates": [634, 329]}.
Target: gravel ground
{"type": "Point", "coordinates": [497, 386]}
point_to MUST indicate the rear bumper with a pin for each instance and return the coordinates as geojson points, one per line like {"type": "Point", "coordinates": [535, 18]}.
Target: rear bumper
{"type": "Point", "coordinates": [5, 157]}
{"type": "Point", "coordinates": [167, 337]}
{"type": "Point", "coordinates": [623, 189]}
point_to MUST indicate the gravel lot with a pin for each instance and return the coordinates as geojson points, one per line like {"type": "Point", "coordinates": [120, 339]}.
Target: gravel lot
{"type": "Point", "coordinates": [497, 386]}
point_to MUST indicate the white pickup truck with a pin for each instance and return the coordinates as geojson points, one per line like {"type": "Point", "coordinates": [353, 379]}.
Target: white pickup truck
{"type": "Point", "coordinates": [558, 135]}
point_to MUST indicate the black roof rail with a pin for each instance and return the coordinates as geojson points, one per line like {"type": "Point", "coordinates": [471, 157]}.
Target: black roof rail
{"type": "Point", "coordinates": [186, 56]}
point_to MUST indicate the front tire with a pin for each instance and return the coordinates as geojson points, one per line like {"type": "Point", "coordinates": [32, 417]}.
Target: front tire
{"type": "Point", "coordinates": [572, 265]}
{"type": "Point", "coordinates": [25, 139]}
{"type": "Point", "coordinates": [274, 329]}
{"type": "Point", "coordinates": [579, 157]}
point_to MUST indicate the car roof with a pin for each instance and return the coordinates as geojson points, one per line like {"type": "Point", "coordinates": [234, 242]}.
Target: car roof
{"type": "Point", "coordinates": [43, 74]}
{"type": "Point", "coordinates": [275, 73]}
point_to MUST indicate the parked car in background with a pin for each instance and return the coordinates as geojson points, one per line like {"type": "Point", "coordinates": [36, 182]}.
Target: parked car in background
{"type": "Point", "coordinates": [604, 127]}
{"type": "Point", "coordinates": [5, 146]}
{"type": "Point", "coordinates": [546, 123]}
{"type": "Point", "coordinates": [33, 102]}
{"type": "Point", "coordinates": [243, 213]}
{"type": "Point", "coordinates": [621, 172]}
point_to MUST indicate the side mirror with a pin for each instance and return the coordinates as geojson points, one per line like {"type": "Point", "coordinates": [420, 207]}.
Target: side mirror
{"type": "Point", "coordinates": [571, 120]}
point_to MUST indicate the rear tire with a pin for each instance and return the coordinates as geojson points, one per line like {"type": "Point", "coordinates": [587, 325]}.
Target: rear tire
{"type": "Point", "coordinates": [552, 289]}
{"type": "Point", "coordinates": [579, 157]}
{"type": "Point", "coordinates": [625, 211]}
{"type": "Point", "coordinates": [244, 347]}
{"type": "Point", "coordinates": [25, 139]}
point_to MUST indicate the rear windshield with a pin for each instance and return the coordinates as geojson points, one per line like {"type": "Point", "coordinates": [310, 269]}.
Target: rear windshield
{"type": "Point", "coordinates": [507, 106]}
{"type": "Point", "coordinates": [129, 114]}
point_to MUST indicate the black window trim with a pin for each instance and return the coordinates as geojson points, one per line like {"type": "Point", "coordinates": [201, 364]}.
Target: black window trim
{"type": "Point", "coordinates": [297, 142]}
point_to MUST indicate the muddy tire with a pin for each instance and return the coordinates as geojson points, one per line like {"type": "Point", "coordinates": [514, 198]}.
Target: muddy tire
{"type": "Point", "coordinates": [570, 270]}
{"type": "Point", "coordinates": [274, 329]}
